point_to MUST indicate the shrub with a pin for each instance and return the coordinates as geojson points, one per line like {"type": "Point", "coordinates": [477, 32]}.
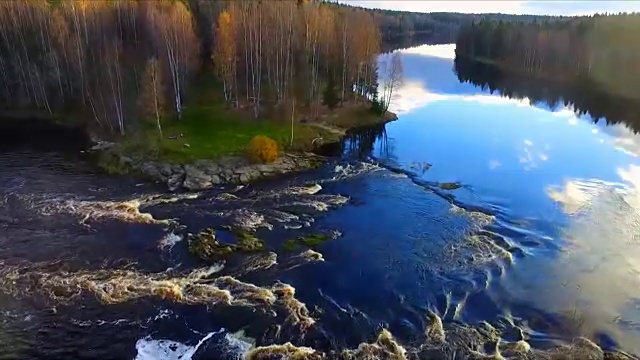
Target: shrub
{"type": "Point", "coordinates": [262, 149]}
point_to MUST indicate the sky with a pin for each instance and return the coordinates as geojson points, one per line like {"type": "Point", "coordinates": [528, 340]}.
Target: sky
{"type": "Point", "coordinates": [541, 7]}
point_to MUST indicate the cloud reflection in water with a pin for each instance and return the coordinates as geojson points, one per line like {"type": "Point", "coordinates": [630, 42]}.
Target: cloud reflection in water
{"type": "Point", "coordinates": [599, 270]}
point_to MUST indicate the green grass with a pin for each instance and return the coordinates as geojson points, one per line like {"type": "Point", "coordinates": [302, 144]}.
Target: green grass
{"type": "Point", "coordinates": [212, 130]}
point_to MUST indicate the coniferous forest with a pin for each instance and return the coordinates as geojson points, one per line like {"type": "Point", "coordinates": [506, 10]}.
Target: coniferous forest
{"type": "Point", "coordinates": [601, 49]}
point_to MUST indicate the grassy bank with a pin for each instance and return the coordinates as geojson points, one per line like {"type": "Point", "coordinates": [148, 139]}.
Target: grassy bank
{"type": "Point", "coordinates": [212, 131]}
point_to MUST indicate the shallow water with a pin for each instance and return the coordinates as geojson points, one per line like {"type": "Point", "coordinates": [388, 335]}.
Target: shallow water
{"type": "Point", "coordinates": [529, 257]}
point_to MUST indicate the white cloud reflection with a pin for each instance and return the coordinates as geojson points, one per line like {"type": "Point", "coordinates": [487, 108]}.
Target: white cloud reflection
{"type": "Point", "coordinates": [445, 51]}
{"type": "Point", "coordinates": [599, 270]}
{"type": "Point", "coordinates": [415, 93]}
{"type": "Point", "coordinates": [623, 139]}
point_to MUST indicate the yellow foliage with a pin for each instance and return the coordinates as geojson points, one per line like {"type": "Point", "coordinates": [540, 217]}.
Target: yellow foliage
{"type": "Point", "coordinates": [262, 149]}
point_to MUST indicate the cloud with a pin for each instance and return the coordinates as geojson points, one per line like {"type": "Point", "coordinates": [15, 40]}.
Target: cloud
{"type": "Point", "coordinates": [494, 164]}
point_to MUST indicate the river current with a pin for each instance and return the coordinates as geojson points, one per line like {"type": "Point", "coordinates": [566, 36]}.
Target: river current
{"type": "Point", "coordinates": [476, 225]}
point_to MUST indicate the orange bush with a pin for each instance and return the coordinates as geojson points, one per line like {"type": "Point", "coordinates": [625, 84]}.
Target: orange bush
{"type": "Point", "coordinates": [262, 149]}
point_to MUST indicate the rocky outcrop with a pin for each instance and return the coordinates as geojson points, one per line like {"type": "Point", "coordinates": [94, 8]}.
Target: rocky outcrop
{"type": "Point", "coordinates": [205, 174]}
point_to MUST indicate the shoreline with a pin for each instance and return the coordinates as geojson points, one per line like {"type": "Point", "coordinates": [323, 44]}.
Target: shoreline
{"type": "Point", "coordinates": [204, 173]}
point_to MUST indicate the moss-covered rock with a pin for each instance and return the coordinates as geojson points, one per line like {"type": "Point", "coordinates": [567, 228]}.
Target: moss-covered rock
{"type": "Point", "coordinates": [290, 245]}
{"type": "Point", "coordinates": [311, 240]}
{"type": "Point", "coordinates": [247, 241]}
{"type": "Point", "coordinates": [206, 246]}
{"type": "Point", "coordinates": [314, 239]}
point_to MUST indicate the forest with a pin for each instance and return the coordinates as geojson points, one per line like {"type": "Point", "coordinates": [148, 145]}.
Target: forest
{"type": "Point", "coordinates": [601, 49]}
{"type": "Point", "coordinates": [125, 63]}
{"type": "Point", "coordinates": [401, 29]}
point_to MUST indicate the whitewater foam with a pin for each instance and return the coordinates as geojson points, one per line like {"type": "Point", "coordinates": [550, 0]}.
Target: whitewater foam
{"type": "Point", "coordinates": [150, 349]}
{"type": "Point", "coordinates": [285, 351]}
{"type": "Point", "coordinates": [343, 172]}
{"type": "Point", "coordinates": [478, 219]}
{"type": "Point", "coordinates": [238, 345]}
{"type": "Point", "coordinates": [169, 240]}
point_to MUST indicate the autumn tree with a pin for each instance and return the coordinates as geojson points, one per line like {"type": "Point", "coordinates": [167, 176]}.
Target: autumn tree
{"type": "Point", "coordinates": [152, 100]}
{"type": "Point", "coordinates": [179, 45]}
{"type": "Point", "coordinates": [93, 56]}
{"type": "Point", "coordinates": [224, 55]}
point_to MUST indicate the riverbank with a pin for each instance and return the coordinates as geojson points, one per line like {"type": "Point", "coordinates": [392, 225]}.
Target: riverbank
{"type": "Point", "coordinates": [207, 146]}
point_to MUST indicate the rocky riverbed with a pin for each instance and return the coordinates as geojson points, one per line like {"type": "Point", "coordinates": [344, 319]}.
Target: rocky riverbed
{"type": "Point", "coordinates": [205, 174]}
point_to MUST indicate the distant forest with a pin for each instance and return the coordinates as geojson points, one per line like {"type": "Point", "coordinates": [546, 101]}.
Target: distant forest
{"type": "Point", "coordinates": [401, 29]}
{"type": "Point", "coordinates": [602, 49]}
{"type": "Point", "coordinates": [121, 62]}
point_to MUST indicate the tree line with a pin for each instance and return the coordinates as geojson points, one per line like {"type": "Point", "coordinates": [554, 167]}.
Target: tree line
{"type": "Point", "coordinates": [125, 61]}
{"type": "Point", "coordinates": [601, 48]}
{"type": "Point", "coordinates": [401, 29]}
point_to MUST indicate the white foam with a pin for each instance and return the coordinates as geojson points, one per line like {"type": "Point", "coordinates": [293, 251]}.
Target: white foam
{"type": "Point", "coordinates": [150, 349]}
{"type": "Point", "coordinates": [238, 344]}
{"type": "Point", "coordinates": [163, 314]}
{"type": "Point", "coordinates": [169, 240]}
{"type": "Point", "coordinates": [347, 171]}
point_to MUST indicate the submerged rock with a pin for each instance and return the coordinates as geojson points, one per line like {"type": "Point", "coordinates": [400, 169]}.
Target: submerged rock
{"type": "Point", "coordinates": [450, 186]}
{"type": "Point", "coordinates": [310, 240]}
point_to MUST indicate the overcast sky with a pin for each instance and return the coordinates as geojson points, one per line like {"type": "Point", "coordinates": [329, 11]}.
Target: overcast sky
{"type": "Point", "coordinates": [548, 7]}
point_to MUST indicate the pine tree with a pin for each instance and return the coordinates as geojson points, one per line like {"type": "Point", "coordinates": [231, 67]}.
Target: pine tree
{"type": "Point", "coordinates": [330, 96]}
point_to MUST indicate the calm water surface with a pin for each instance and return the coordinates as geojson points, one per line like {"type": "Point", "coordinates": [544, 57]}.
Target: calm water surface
{"type": "Point", "coordinates": [564, 191]}
{"type": "Point", "coordinates": [509, 219]}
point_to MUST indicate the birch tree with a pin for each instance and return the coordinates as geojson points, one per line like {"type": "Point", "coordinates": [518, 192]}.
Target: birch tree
{"type": "Point", "coordinates": [151, 100]}
{"type": "Point", "coordinates": [392, 78]}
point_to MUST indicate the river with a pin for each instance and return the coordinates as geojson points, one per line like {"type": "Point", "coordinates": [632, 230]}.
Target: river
{"type": "Point", "coordinates": [476, 224]}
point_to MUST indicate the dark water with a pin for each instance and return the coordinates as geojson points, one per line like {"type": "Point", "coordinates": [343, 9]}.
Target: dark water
{"type": "Point", "coordinates": [474, 225]}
